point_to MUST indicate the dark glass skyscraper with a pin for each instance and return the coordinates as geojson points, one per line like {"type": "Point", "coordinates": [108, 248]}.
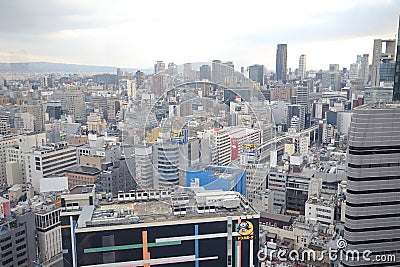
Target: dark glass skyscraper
{"type": "Point", "coordinates": [256, 73]}
{"type": "Point", "coordinates": [281, 62]}
{"type": "Point", "coordinates": [396, 87]}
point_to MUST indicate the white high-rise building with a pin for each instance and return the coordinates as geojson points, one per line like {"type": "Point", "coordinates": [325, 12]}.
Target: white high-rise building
{"type": "Point", "coordinates": [47, 161]}
{"type": "Point", "coordinates": [144, 167]}
{"type": "Point", "coordinates": [354, 72]}
{"type": "Point", "coordinates": [48, 226]}
{"type": "Point", "coordinates": [221, 147]}
{"type": "Point", "coordinates": [4, 144]}
{"type": "Point", "coordinates": [15, 156]}
{"type": "Point", "coordinates": [302, 66]}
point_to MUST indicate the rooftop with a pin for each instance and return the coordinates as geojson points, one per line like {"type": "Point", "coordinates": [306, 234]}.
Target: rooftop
{"type": "Point", "coordinates": [381, 105]}
{"type": "Point", "coordinates": [82, 189]}
{"type": "Point", "coordinates": [84, 170]}
{"type": "Point", "coordinates": [161, 205]}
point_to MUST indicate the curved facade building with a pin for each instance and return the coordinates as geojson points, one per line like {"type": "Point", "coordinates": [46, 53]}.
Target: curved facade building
{"type": "Point", "coordinates": [166, 158]}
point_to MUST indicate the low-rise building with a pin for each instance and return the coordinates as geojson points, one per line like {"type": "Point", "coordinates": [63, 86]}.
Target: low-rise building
{"type": "Point", "coordinates": [82, 175]}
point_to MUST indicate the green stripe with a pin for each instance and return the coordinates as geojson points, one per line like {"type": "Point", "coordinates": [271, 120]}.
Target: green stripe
{"type": "Point", "coordinates": [134, 246]}
{"type": "Point", "coordinates": [237, 249]}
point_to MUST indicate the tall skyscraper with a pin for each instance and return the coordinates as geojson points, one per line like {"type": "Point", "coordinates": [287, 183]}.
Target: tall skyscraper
{"type": "Point", "coordinates": [221, 71]}
{"type": "Point", "coordinates": [396, 87]}
{"type": "Point", "coordinates": [139, 78]}
{"type": "Point", "coordinates": [256, 73]}
{"type": "Point", "coordinates": [188, 73]}
{"type": "Point", "coordinates": [159, 66]}
{"type": "Point", "coordinates": [281, 62]}
{"type": "Point", "coordinates": [372, 199]}
{"type": "Point", "coordinates": [172, 69]}
{"type": "Point", "coordinates": [382, 61]}
{"type": "Point", "coordinates": [364, 69]}
{"type": "Point", "coordinates": [205, 72]}
{"type": "Point", "coordinates": [302, 66]}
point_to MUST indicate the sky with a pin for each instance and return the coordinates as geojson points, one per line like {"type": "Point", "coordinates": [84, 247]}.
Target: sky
{"type": "Point", "coordinates": [135, 34]}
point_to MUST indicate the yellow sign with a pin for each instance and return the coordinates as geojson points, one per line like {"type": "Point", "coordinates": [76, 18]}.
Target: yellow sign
{"type": "Point", "coordinates": [245, 230]}
{"type": "Point", "coordinates": [249, 146]}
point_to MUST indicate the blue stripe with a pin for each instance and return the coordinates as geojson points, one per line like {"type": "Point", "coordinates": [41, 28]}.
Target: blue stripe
{"type": "Point", "coordinates": [196, 244]}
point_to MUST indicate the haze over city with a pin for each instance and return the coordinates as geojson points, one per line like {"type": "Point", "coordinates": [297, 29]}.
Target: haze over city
{"type": "Point", "coordinates": [134, 34]}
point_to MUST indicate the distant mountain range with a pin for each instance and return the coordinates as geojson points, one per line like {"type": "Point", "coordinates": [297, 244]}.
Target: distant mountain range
{"type": "Point", "coordinates": [31, 67]}
{"type": "Point", "coordinates": [48, 67]}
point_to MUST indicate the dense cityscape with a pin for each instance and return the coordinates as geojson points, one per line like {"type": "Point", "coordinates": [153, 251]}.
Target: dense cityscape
{"type": "Point", "coordinates": [203, 163]}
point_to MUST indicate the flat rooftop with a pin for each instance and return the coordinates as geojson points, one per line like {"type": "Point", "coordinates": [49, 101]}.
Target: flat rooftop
{"type": "Point", "coordinates": [81, 189]}
{"type": "Point", "coordinates": [382, 105]}
{"type": "Point", "coordinates": [161, 205]}
{"type": "Point", "coordinates": [85, 170]}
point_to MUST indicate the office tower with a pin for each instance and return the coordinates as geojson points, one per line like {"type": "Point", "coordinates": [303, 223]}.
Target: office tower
{"type": "Point", "coordinates": [131, 88]}
{"type": "Point", "coordinates": [372, 199]}
{"type": "Point", "coordinates": [4, 124]}
{"type": "Point", "coordinates": [276, 185]}
{"type": "Point", "coordinates": [205, 72]}
{"type": "Point", "coordinates": [354, 72]}
{"type": "Point", "coordinates": [139, 78]}
{"type": "Point", "coordinates": [108, 106]}
{"type": "Point", "coordinates": [364, 69]}
{"type": "Point", "coordinates": [17, 238]}
{"type": "Point", "coordinates": [24, 122]}
{"type": "Point", "coordinates": [382, 68]}
{"type": "Point", "coordinates": [188, 73]}
{"type": "Point", "coordinates": [302, 66]}
{"type": "Point", "coordinates": [302, 96]}
{"type": "Point", "coordinates": [333, 67]}
{"type": "Point", "coordinates": [48, 161]}
{"type": "Point", "coordinates": [72, 103]}
{"type": "Point", "coordinates": [222, 71]}
{"type": "Point", "coordinates": [396, 87]}
{"type": "Point", "coordinates": [158, 84]}
{"type": "Point", "coordinates": [15, 156]}
{"type": "Point", "coordinates": [281, 62]}
{"type": "Point", "coordinates": [53, 108]}
{"type": "Point", "coordinates": [144, 167]}
{"type": "Point", "coordinates": [320, 109]}
{"type": "Point", "coordinates": [358, 61]}
{"type": "Point", "coordinates": [221, 147]}
{"type": "Point", "coordinates": [256, 73]}
{"type": "Point", "coordinates": [159, 67]}
{"type": "Point", "coordinates": [299, 112]}
{"type": "Point", "coordinates": [47, 218]}
{"type": "Point", "coordinates": [4, 144]}
{"type": "Point", "coordinates": [38, 114]}
{"type": "Point", "coordinates": [172, 69]}
{"type": "Point", "coordinates": [166, 162]}
{"type": "Point", "coordinates": [216, 71]}
{"type": "Point", "coordinates": [119, 176]}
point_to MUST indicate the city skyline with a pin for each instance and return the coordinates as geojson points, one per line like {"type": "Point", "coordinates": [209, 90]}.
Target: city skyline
{"type": "Point", "coordinates": [97, 33]}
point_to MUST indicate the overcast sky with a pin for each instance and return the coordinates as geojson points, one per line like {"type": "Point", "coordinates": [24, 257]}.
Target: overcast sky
{"type": "Point", "coordinates": [137, 33]}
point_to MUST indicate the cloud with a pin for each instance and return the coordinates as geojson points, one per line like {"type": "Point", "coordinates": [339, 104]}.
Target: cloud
{"type": "Point", "coordinates": [136, 33]}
